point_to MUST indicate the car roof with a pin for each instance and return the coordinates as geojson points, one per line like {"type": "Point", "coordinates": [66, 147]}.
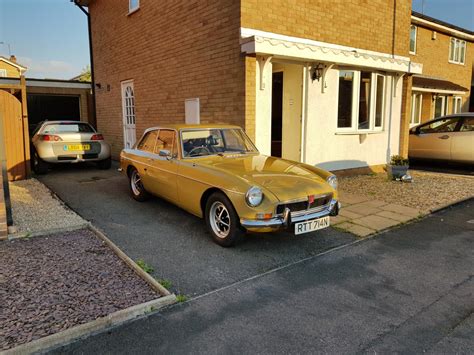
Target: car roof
{"type": "Point", "coordinates": [64, 121]}
{"type": "Point", "coordinates": [182, 126]}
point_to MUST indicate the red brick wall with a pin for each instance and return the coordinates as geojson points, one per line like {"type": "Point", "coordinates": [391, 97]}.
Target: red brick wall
{"type": "Point", "coordinates": [173, 50]}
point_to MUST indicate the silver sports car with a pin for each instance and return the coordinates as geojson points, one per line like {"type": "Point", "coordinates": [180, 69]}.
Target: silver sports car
{"type": "Point", "coordinates": [67, 142]}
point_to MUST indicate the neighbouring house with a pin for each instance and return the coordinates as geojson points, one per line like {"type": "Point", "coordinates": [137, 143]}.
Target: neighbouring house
{"type": "Point", "coordinates": [446, 52]}
{"type": "Point", "coordinates": [321, 82]}
{"type": "Point", "coordinates": [9, 68]}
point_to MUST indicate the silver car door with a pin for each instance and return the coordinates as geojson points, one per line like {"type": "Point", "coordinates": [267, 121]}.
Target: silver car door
{"type": "Point", "coordinates": [462, 145]}
{"type": "Point", "coordinates": [433, 139]}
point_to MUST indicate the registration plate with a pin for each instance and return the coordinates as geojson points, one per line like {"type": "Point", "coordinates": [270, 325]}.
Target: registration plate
{"type": "Point", "coordinates": [312, 225]}
{"type": "Point", "coordinates": [76, 147]}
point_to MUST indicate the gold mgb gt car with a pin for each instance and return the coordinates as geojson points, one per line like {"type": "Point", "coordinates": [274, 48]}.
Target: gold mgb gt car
{"type": "Point", "coordinates": [215, 172]}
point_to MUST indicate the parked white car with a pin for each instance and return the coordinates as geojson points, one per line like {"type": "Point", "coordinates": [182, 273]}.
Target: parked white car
{"type": "Point", "coordinates": [444, 138]}
{"type": "Point", "coordinates": [57, 142]}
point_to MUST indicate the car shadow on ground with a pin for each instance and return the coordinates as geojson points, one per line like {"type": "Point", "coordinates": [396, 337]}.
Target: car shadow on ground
{"type": "Point", "coordinates": [442, 167]}
{"type": "Point", "coordinates": [175, 243]}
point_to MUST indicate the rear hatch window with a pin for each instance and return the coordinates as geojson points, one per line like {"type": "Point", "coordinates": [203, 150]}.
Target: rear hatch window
{"type": "Point", "coordinates": [67, 127]}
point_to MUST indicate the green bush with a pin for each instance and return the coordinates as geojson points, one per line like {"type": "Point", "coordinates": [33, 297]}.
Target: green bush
{"type": "Point", "coordinates": [398, 160]}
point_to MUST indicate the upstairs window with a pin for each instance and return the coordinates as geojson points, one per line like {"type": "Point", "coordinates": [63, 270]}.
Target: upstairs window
{"type": "Point", "coordinates": [361, 101]}
{"type": "Point", "coordinates": [457, 51]}
{"type": "Point", "coordinates": [133, 5]}
{"type": "Point", "coordinates": [413, 30]}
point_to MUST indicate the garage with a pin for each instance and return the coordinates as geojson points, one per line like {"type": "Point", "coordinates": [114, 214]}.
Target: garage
{"type": "Point", "coordinates": [43, 107]}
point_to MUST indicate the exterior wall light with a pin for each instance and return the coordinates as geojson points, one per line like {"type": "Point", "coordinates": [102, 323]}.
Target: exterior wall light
{"type": "Point", "coordinates": [317, 72]}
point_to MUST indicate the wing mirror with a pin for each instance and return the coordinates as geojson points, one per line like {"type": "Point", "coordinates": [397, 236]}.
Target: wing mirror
{"type": "Point", "coordinates": [165, 153]}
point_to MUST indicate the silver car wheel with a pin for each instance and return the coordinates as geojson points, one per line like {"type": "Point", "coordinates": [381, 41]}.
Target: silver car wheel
{"type": "Point", "coordinates": [219, 219]}
{"type": "Point", "coordinates": [136, 183]}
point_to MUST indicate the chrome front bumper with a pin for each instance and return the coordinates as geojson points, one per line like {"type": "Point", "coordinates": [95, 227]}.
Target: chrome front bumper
{"type": "Point", "coordinates": [287, 220]}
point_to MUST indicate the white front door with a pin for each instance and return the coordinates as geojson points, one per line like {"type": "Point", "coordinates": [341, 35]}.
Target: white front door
{"type": "Point", "coordinates": [128, 109]}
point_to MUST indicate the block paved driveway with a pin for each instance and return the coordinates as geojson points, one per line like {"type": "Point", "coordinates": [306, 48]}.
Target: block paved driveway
{"type": "Point", "coordinates": [172, 241]}
{"type": "Point", "coordinates": [409, 290]}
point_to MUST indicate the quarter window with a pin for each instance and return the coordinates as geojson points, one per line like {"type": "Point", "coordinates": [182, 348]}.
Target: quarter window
{"type": "Point", "coordinates": [361, 101]}
{"type": "Point", "coordinates": [413, 39]}
{"type": "Point", "coordinates": [148, 142]}
{"type": "Point", "coordinates": [416, 102]}
{"type": "Point", "coordinates": [457, 51]}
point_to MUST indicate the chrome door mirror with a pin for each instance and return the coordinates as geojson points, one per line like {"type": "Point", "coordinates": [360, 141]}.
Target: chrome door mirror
{"type": "Point", "coordinates": [165, 153]}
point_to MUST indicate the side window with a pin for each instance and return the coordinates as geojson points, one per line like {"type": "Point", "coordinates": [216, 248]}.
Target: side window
{"type": "Point", "coordinates": [468, 125]}
{"type": "Point", "coordinates": [166, 141]}
{"type": "Point", "coordinates": [440, 126]}
{"type": "Point", "coordinates": [148, 142]}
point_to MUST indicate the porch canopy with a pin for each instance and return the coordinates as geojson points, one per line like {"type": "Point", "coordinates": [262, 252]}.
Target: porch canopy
{"type": "Point", "coordinates": [436, 85]}
{"type": "Point", "coordinates": [305, 50]}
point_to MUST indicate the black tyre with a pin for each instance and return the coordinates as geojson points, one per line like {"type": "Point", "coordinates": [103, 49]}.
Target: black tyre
{"type": "Point", "coordinates": [222, 220]}
{"type": "Point", "coordinates": [40, 167]}
{"type": "Point", "coordinates": [105, 164]}
{"type": "Point", "coordinates": [136, 187]}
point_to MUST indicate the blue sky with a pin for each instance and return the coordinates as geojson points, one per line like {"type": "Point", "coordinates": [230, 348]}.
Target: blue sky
{"type": "Point", "coordinates": [47, 36]}
{"type": "Point", "coordinates": [457, 12]}
{"type": "Point", "coordinates": [51, 39]}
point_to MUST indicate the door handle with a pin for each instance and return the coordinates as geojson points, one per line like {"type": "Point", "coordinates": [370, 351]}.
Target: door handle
{"type": "Point", "coordinates": [444, 137]}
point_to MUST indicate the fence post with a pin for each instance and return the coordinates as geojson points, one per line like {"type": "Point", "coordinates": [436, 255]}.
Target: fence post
{"type": "Point", "coordinates": [3, 162]}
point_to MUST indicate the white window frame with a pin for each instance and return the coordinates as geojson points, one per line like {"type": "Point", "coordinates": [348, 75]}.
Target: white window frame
{"type": "Point", "coordinates": [444, 107]}
{"type": "Point", "coordinates": [133, 9]}
{"type": "Point", "coordinates": [416, 35]}
{"type": "Point", "coordinates": [413, 102]}
{"type": "Point", "coordinates": [457, 99]}
{"type": "Point", "coordinates": [3, 73]}
{"type": "Point", "coordinates": [457, 58]}
{"type": "Point", "coordinates": [354, 129]}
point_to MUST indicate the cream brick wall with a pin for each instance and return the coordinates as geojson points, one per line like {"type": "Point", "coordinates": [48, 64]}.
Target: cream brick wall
{"type": "Point", "coordinates": [434, 55]}
{"type": "Point", "coordinates": [173, 50]}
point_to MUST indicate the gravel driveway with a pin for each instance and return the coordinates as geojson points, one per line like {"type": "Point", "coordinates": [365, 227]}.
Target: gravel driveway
{"type": "Point", "coordinates": [427, 191]}
{"type": "Point", "coordinates": [36, 209]}
{"type": "Point", "coordinates": [49, 284]}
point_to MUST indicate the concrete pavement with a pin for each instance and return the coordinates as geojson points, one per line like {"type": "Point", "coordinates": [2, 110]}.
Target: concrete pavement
{"type": "Point", "coordinates": [408, 290]}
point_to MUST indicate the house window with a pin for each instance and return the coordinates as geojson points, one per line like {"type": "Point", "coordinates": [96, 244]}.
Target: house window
{"type": "Point", "coordinates": [379, 100]}
{"type": "Point", "coordinates": [413, 30]}
{"type": "Point", "coordinates": [440, 107]}
{"type": "Point", "coordinates": [361, 101]}
{"type": "Point", "coordinates": [3, 73]}
{"type": "Point", "coordinates": [457, 104]}
{"type": "Point", "coordinates": [416, 101]}
{"type": "Point", "coordinates": [457, 51]}
{"type": "Point", "coordinates": [346, 93]}
{"type": "Point", "coordinates": [133, 5]}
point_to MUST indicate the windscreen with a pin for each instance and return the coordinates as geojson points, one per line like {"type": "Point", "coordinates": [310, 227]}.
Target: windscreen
{"type": "Point", "coordinates": [202, 142]}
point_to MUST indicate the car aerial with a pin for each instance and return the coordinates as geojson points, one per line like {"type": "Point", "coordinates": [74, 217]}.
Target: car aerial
{"type": "Point", "coordinates": [216, 172]}
{"type": "Point", "coordinates": [449, 138]}
{"type": "Point", "coordinates": [57, 142]}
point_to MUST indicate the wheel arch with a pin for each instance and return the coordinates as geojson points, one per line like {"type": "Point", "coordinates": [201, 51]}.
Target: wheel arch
{"type": "Point", "coordinates": [205, 196]}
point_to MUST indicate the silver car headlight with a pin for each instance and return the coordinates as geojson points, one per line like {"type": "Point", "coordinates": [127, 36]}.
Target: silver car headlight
{"type": "Point", "coordinates": [254, 196]}
{"type": "Point", "coordinates": [332, 180]}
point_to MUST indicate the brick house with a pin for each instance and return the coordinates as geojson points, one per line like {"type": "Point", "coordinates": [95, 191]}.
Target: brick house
{"type": "Point", "coordinates": [316, 81]}
{"type": "Point", "coordinates": [9, 68]}
{"type": "Point", "coordinates": [446, 52]}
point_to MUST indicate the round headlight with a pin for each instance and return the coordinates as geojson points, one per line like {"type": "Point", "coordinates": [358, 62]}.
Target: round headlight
{"type": "Point", "coordinates": [254, 196]}
{"type": "Point", "coordinates": [332, 180]}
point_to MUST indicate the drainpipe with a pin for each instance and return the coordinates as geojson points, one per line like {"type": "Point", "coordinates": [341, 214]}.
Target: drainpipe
{"type": "Point", "coordinates": [304, 115]}
{"type": "Point", "coordinates": [94, 108]}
